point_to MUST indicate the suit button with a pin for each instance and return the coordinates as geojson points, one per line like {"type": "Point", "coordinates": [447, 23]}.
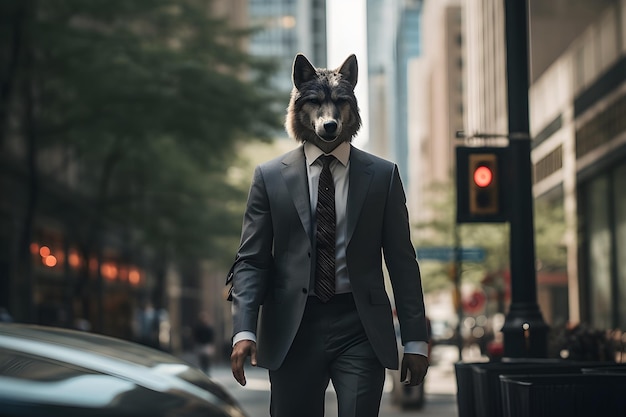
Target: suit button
{"type": "Point", "coordinates": [309, 254]}
{"type": "Point", "coordinates": [305, 291]}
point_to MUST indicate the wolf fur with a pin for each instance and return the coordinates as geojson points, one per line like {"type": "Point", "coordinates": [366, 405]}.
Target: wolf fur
{"type": "Point", "coordinates": [323, 108]}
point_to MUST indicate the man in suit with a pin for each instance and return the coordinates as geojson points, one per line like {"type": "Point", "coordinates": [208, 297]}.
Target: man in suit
{"type": "Point", "coordinates": [306, 325]}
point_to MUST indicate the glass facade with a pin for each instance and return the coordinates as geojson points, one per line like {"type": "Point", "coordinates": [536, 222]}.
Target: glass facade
{"type": "Point", "coordinates": [277, 39]}
{"type": "Point", "coordinates": [604, 216]}
{"type": "Point", "coordinates": [284, 29]}
{"type": "Point", "coordinates": [393, 38]}
{"type": "Point", "coordinates": [598, 230]}
{"type": "Point", "coordinates": [619, 193]}
{"type": "Point", "coordinates": [408, 47]}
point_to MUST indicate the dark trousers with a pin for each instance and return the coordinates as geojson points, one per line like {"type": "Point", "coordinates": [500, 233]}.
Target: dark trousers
{"type": "Point", "coordinates": [330, 345]}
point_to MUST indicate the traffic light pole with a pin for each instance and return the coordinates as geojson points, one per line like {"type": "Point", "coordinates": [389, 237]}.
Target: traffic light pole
{"type": "Point", "coordinates": [458, 269]}
{"type": "Point", "coordinates": [524, 330]}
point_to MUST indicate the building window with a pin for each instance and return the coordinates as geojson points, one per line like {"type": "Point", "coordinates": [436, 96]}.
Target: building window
{"type": "Point", "coordinates": [599, 252]}
{"type": "Point", "coordinates": [607, 125]}
{"type": "Point", "coordinates": [603, 214]}
{"type": "Point", "coordinates": [579, 69]}
{"type": "Point", "coordinates": [549, 164]}
{"type": "Point", "coordinates": [619, 185]}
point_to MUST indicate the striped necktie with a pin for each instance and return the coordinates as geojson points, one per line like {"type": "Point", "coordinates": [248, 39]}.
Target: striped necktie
{"type": "Point", "coordinates": [325, 234]}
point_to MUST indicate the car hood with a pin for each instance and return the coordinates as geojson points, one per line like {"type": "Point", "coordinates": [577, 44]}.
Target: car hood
{"type": "Point", "coordinates": [76, 370]}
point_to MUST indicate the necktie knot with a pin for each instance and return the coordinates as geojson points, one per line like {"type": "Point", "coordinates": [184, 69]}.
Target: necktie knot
{"type": "Point", "coordinates": [326, 160]}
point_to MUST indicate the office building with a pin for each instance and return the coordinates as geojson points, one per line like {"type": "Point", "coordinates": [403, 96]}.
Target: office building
{"type": "Point", "coordinates": [578, 130]}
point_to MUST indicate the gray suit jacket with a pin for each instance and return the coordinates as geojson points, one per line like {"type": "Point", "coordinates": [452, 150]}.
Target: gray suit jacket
{"type": "Point", "coordinates": [274, 267]}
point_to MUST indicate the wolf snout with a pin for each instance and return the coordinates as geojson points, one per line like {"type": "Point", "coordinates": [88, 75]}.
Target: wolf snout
{"type": "Point", "coordinates": [328, 130]}
{"type": "Point", "coordinates": [330, 127]}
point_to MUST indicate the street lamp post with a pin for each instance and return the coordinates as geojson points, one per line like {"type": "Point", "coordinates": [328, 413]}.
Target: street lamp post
{"type": "Point", "coordinates": [524, 330]}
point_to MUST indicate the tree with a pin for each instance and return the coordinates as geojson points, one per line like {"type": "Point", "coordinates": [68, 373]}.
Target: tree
{"type": "Point", "coordinates": [140, 104]}
{"type": "Point", "coordinates": [550, 229]}
{"type": "Point", "coordinates": [494, 238]}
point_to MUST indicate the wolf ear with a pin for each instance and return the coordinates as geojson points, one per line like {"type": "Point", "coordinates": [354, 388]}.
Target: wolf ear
{"type": "Point", "coordinates": [303, 71]}
{"type": "Point", "coordinates": [349, 70]}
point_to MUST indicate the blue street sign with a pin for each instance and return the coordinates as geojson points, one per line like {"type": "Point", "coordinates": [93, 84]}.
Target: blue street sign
{"type": "Point", "coordinates": [438, 253]}
{"type": "Point", "coordinates": [446, 254]}
{"type": "Point", "coordinates": [473, 254]}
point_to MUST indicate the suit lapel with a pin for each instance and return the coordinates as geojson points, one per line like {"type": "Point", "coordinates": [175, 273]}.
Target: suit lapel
{"type": "Point", "coordinates": [360, 178]}
{"type": "Point", "coordinates": [295, 175]}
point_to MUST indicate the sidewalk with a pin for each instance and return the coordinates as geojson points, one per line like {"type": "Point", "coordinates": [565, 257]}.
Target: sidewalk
{"type": "Point", "coordinates": [441, 384]}
{"type": "Point", "coordinates": [440, 387]}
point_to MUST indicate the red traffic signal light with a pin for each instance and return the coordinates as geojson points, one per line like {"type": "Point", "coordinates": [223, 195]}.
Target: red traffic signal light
{"type": "Point", "coordinates": [481, 184]}
{"type": "Point", "coordinates": [483, 176]}
{"type": "Point", "coordinates": [483, 187]}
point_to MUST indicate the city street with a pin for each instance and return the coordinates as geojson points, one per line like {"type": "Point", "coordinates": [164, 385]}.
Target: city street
{"type": "Point", "coordinates": [331, 168]}
{"type": "Point", "coordinates": [440, 389]}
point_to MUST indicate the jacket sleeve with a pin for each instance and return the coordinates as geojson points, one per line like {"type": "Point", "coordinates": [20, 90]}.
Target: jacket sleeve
{"type": "Point", "coordinates": [253, 263]}
{"type": "Point", "coordinates": [401, 261]}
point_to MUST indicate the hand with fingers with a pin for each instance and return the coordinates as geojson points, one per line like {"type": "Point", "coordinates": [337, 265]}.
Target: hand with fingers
{"type": "Point", "coordinates": [415, 366]}
{"type": "Point", "coordinates": [241, 351]}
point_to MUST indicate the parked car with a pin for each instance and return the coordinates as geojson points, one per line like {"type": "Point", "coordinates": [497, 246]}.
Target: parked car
{"type": "Point", "coordinates": [46, 371]}
{"type": "Point", "coordinates": [405, 396]}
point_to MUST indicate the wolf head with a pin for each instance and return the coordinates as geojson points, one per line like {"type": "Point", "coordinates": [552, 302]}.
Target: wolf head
{"type": "Point", "coordinates": [323, 108]}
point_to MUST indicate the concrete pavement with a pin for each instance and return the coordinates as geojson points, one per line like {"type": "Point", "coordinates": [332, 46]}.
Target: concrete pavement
{"type": "Point", "coordinates": [440, 388]}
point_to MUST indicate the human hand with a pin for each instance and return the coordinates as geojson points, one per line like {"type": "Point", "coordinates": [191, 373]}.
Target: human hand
{"type": "Point", "coordinates": [241, 351]}
{"type": "Point", "coordinates": [416, 365]}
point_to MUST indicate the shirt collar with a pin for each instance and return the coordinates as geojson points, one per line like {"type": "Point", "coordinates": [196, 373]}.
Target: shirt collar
{"type": "Point", "coordinates": [341, 152]}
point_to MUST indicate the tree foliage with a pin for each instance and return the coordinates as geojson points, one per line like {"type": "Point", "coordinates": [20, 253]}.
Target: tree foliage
{"type": "Point", "coordinates": [439, 230]}
{"type": "Point", "coordinates": [551, 253]}
{"type": "Point", "coordinates": [145, 101]}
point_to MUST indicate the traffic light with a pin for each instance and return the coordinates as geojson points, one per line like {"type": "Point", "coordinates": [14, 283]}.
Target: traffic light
{"type": "Point", "coordinates": [481, 184]}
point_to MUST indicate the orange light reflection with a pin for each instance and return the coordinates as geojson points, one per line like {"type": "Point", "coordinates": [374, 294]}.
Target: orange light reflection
{"type": "Point", "coordinates": [50, 261]}
{"type": "Point", "coordinates": [44, 251]}
{"type": "Point", "coordinates": [134, 277]}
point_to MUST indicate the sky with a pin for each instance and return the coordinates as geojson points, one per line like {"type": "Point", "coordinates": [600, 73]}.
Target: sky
{"type": "Point", "coordinates": [347, 34]}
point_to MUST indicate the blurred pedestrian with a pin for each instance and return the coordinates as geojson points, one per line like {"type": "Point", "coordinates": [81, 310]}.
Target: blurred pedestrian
{"type": "Point", "coordinates": [5, 316]}
{"type": "Point", "coordinates": [146, 325]}
{"type": "Point", "coordinates": [204, 338]}
{"type": "Point", "coordinates": [316, 223]}
{"type": "Point", "coordinates": [82, 324]}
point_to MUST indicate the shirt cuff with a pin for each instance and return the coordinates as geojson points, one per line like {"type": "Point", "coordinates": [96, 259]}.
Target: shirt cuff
{"type": "Point", "coordinates": [244, 336]}
{"type": "Point", "coordinates": [417, 348]}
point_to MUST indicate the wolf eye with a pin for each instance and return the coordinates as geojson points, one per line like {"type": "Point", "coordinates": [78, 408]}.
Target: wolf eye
{"type": "Point", "coordinates": [314, 101]}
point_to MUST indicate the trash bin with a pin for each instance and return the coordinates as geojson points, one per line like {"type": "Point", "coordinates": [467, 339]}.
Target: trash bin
{"type": "Point", "coordinates": [465, 390]}
{"type": "Point", "coordinates": [572, 395]}
{"type": "Point", "coordinates": [486, 381]}
{"type": "Point", "coordinates": [619, 369]}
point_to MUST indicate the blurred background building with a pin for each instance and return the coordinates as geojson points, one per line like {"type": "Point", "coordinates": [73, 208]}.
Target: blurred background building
{"type": "Point", "coordinates": [577, 51]}
{"type": "Point", "coordinates": [436, 101]}
{"type": "Point", "coordinates": [578, 124]}
{"type": "Point", "coordinates": [394, 37]}
{"type": "Point", "coordinates": [286, 28]}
